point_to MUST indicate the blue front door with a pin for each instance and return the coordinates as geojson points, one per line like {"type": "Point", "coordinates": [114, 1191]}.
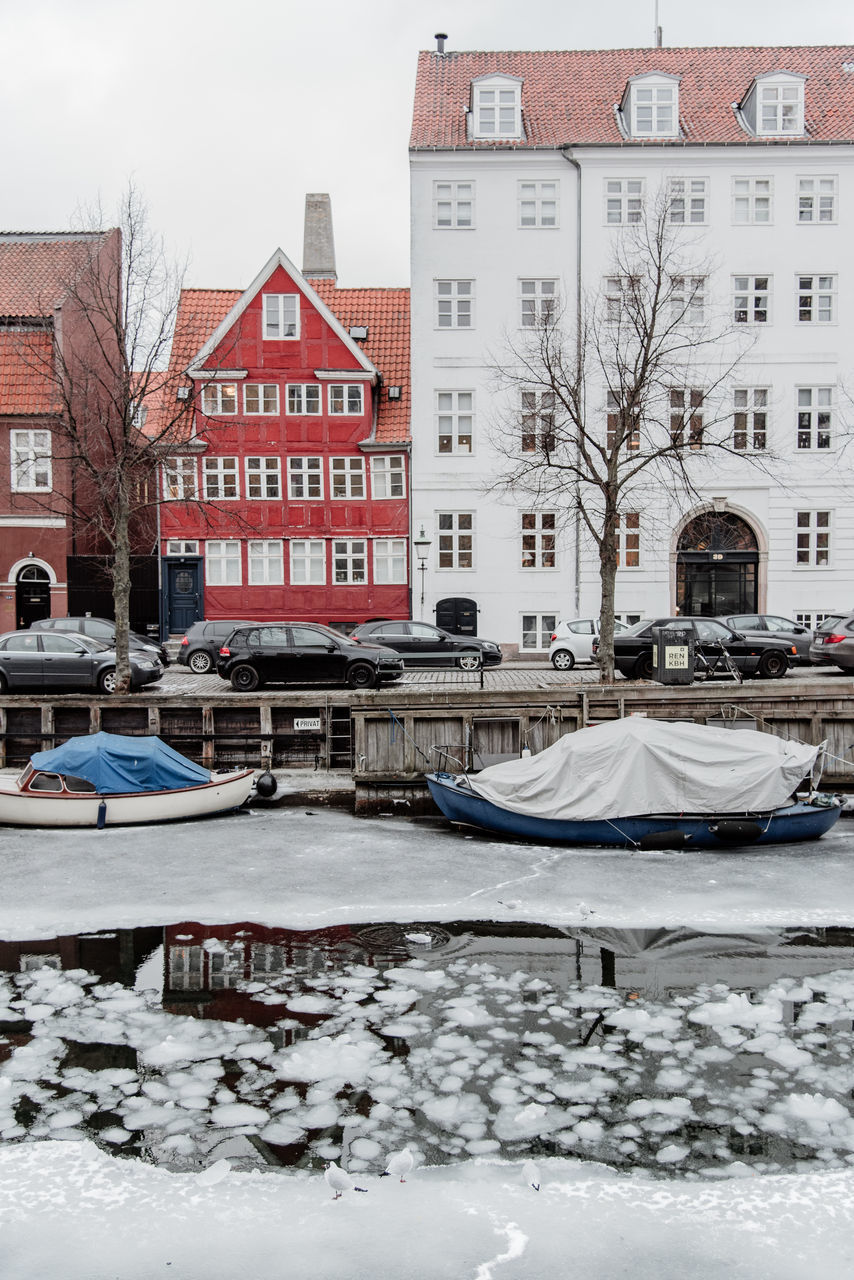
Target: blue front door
{"type": "Point", "coordinates": [183, 593]}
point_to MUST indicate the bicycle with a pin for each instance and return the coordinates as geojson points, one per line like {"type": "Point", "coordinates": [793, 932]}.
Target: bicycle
{"type": "Point", "coordinates": [714, 659]}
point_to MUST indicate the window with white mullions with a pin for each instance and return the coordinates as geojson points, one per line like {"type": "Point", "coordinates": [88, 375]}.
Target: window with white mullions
{"type": "Point", "coordinates": [750, 299]}
{"type": "Point", "coordinates": [220, 478]}
{"type": "Point", "coordinates": [623, 200]}
{"type": "Point", "coordinates": [308, 562]}
{"type": "Point", "coordinates": [453, 205]}
{"type": "Point", "coordinates": [497, 111]}
{"type": "Point", "coordinates": [179, 479]}
{"type": "Point", "coordinates": [688, 299]}
{"type": "Point", "coordinates": [346, 398]}
{"type": "Point", "coordinates": [349, 561]}
{"type": "Point", "coordinates": [538, 540]}
{"type": "Point", "coordinates": [653, 111]}
{"type": "Point", "coordinates": [750, 419]}
{"type": "Point", "coordinates": [817, 199]}
{"type": "Point", "coordinates": [537, 204]}
{"type": "Point", "coordinates": [260, 398]}
{"type": "Point", "coordinates": [815, 417]}
{"type": "Point", "coordinates": [389, 560]}
{"type": "Point", "coordinates": [688, 200]}
{"type": "Point", "coordinates": [751, 200]}
{"type": "Point", "coordinates": [686, 415]}
{"type": "Point", "coordinates": [266, 562]}
{"type": "Point", "coordinates": [627, 433]}
{"type": "Point", "coordinates": [812, 538]}
{"type": "Point", "coordinates": [388, 476]}
{"type": "Point", "coordinates": [305, 478]}
{"type": "Point", "coordinates": [627, 533]}
{"type": "Point", "coordinates": [455, 541]}
{"type": "Point", "coordinates": [222, 563]}
{"type": "Point", "coordinates": [537, 302]}
{"type": "Point", "coordinates": [304, 398]}
{"type": "Point", "coordinates": [263, 478]}
{"type": "Point", "coordinates": [281, 315]}
{"type": "Point", "coordinates": [347, 477]}
{"type": "Point", "coordinates": [537, 629]}
{"type": "Point", "coordinates": [537, 421]}
{"type": "Point", "coordinates": [219, 398]}
{"type": "Point", "coordinates": [454, 421]}
{"type": "Point", "coordinates": [454, 303]}
{"type": "Point", "coordinates": [781, 109]}
{"type": "Point", "coordinates": [30, 463]}
{"type": "Point", "coordinates": [816, 299]}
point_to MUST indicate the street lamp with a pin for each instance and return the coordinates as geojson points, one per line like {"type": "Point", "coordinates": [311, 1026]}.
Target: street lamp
{"type": "Point", "coordinates": [422, 546]}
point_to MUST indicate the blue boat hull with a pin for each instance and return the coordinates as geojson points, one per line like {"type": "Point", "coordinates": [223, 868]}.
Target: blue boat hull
{"type": "Point", "coordinates": [793, 822]}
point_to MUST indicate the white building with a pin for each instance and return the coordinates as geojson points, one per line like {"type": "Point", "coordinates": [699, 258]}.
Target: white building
{"type": "Point", "coordinates": [524, 166]}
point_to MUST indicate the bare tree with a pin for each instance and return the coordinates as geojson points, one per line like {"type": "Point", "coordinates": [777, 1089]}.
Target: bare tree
{"type": "Point", "coordinates": [625, 404]}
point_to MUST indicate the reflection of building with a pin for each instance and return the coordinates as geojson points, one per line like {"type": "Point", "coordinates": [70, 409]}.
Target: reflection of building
{"type": "Point", "coordinates": [527, 169]}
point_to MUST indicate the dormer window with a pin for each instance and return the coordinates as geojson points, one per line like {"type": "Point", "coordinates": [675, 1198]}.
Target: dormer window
{"type": "Point", "coordinates": [650, 107]}
{"type": "Point", "coordinates": [773, 107]}
{"type": "Point", "coordinates": [497, 107]}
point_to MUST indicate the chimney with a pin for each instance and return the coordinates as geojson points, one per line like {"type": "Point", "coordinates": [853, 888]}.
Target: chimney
{"type": "Point", "coordinates": [440, 38]}
{"type": "Point", "coordinates": [318, 245]}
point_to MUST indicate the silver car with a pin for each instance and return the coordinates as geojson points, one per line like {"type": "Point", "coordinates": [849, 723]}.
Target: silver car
{"type": "Point", "coordinates": [833, 642]}
{"type": "Point", "coordinates": [45, 661]}
{"type": "Point", "coordinates": [761, 625]}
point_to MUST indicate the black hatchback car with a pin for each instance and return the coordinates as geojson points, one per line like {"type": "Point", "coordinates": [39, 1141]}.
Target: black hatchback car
{"type": "Point", "coordinates": [769, 659]}
{"type": "Point", "coordinates": [202, 642]}
{"type": "Point", "coordinates": [420, 644]}
{"type": "Point", "coordinates": [302, 653]}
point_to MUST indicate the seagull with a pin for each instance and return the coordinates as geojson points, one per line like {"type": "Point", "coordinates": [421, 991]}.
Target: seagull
{"type": "Point", "coordinates": [531, 1174]}
{"type": "Point", "coordinates": [339, 1180]}
{"type": "Point", "coordinates": [399, 1164]}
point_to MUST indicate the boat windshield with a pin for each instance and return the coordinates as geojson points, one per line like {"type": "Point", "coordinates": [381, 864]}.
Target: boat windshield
{"type": "Point", "coordinates": [45, 782]}
{"type": "Point", "coordinates": [77, 784]}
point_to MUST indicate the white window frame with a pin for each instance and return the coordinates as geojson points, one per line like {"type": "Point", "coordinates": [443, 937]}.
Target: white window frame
{"type": "Point", "coordinates": [182, 547]}
{"type": "Point", "coordinates": [653, 107]}
{"type": "Point", "coordinates": [752, 200]}
{"type": "Point", "coordinates": [816, 298]}
{"type": "Point", "coordinates": [180, 479]}
{"type": "Point", "coordinates": [814, 418]}
{"type": "Point", "coordinates": [346, 399]}
{"type": "Point", "coordinates": [263, 397]}
{"type": "Point", "coordinates": [265, 561]}
{"type": "Point", "coordinates": [613, 410]}
{"type": "Point", "coordinates": [390, 561]}
{"type": "Point", "coordinates": [818, 196]}
{"type": "Point", "coordinates": [811, 618]}
{"type": "Point", "coordinates": [539, 300]}
{"type": "Point", "coordinates": [538, 203]}
{"type": "Point", "coordinates": [623, 201]}
{"type": "Point", "coordinates": [538, 541]}
{"type": "Point", "coordinates": [264, 472]}
{"type": "Point", "coordinates": [453, 304]}
{"type": "Point", "coordinates": [30, 461]}
{"type": "Point", "coordinates": [303, 477]}
{"type": "Point", "coordinates": [223, 563]}
{"type": "Point", "coordinates": [751, 418]}
{"type": "Point", "coordinates": [453, 205]}
{"type": "Point", "coordinates": [219, 399]}
{"type": "Point", "coordinates": [346, 478]}
{"type": "Point", "coordinates": [308, 396]}
{"type": "Point", "coordinates": [280, 317]}
{"type": "Point", "coordinates": [307, 562]}
{"type": "Point", "coordinates": [497, 107]}
{"type": "Point", "coordinates": [688, 201]}
{"type": "Point", "coordinates": [454, 421]}
{"type": "Point", "coordinates": [687, 409]}
{"type": "Point", "coordinates": [627, 535]}
{"type": "Point", "coordinates": [813, 530]}
{"type": "Point", "coordinates": [219, 474]}
{"type": "Point", "coordinates": [388, 476]}
{"type": "Point", "coordinates": [751, 299]}
{"type": "Point", "coordinates": [537, 411]}
{"type": "Point", "coordinates": [688, 299]}
{"type": "Point", "coordinates": [779, 108]}
{"type": "Point", "coordinates": [540, 626]}
{"type": "Point", "coordinates": [451, 539]}
{"type": "Point", "coordinates": [349, 562]}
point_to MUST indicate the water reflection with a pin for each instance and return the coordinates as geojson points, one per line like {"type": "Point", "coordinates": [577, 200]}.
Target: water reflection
{"type": "Point", "coordinates": [663, 1049]}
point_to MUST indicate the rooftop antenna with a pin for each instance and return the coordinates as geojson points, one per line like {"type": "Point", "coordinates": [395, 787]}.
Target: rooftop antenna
{"type": "Point", "coordinates": [657, 28]}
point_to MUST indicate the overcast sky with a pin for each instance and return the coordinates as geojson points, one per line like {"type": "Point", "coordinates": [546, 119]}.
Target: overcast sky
{"type": "Point", "coordinates": [225, 114]}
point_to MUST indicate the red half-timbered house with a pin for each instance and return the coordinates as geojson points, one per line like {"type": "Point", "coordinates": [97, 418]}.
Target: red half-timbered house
{"type": "Point", "coordinates": [290, 498]}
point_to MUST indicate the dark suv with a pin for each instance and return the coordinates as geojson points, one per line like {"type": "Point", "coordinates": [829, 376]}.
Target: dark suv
{"type": "Point", "coordinates": [104, 630]}
{"type": "Point", "coordinates": [768, 658]}
{"type": "Point", "coordinates": [302, 653]}
{"type": "Point", "coordinates": [201, 645]}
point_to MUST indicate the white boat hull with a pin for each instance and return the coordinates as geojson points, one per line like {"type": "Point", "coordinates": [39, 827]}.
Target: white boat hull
{"type": "Point", "coordinates": [62, 809]}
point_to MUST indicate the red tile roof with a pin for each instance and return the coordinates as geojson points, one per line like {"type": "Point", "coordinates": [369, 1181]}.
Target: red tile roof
{"type": "Point", "coordinates": [568, 97]}
{"type": "Point", "coordinates": [36, 266]}
{"type": "Point", "coordinates": [24, 389]}
{"type": "Point", "coordinates": [385, 312]}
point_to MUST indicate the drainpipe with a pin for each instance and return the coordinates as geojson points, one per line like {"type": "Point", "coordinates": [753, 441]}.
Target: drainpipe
{"type": "Point", "coordinates": [578, 355]}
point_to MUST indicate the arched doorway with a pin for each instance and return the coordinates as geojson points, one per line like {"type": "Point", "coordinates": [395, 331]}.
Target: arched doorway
{"type": "Point", "coordinates": [717, 561]}
{"type": "Point", "coordinates": [32, 595]}
{"type": "Point", "coordinates": [458, 615]}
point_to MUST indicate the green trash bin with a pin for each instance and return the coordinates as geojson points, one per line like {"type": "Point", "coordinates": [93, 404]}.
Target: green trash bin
{"type": "Point", "coordinates": [673, 655]}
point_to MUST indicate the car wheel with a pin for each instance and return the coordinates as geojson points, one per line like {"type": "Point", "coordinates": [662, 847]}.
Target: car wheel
{"type": "Point", "coordinates": [772, 665]}
{"type": "Point", "coordinates": [107, 680]}
{"type": "Point", "coordinates": [644, 668]}
{"type": "Point", "coordinates": [200, 662]}
{"type": "Point", "coordinates": [468, 661]}
{"type": "Point", "coordinates": [244, 678]}
{"type": "Point", "coordinates": [563, 660]}
{"type": "Point", "coordinates": [361, 676]}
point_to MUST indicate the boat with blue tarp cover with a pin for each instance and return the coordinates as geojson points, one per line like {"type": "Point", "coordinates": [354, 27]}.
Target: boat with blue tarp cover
{"type": "Point", "coordinates": [648, 784]}
{"type": "Point", "coordinates": [110, 779]}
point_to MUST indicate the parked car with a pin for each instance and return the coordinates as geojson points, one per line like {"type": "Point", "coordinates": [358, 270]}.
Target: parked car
{"type": "Point", "coordinates": [423, 645]}
{"type": "Point", "coordinates": [833, 642]}
{"type": "Point", "coordinates": [573, 641]}
{"type": "Point", "coordinates": [302, 653]}
{"type": "Point", "coordinates": [104, 630]}
{"type": "Point", "coordinates": [769, 659]}
{"type": "Point", "coordinates": [201, 645]}
{"type": "Point", "coordinates": [761, 625]}
{"type": "Point", "coordinates": [51, 662]}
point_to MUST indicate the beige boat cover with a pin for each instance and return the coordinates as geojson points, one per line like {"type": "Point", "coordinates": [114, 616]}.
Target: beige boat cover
{"type": "Point", "coordinates": [638, 765]}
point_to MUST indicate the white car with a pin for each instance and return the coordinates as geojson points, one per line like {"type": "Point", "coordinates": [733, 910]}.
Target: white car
{"type": "Point", "coordinates": [573, 641]}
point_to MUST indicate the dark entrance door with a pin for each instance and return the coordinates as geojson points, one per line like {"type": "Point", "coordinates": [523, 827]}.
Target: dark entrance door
{"type": "Point", "coordinates": [716, 566]}
{"type": "Point", "coordinates": [32, 596]}
{"type": "Point", "coordinates": [457, 615]}
{"type": "Point", "coordinates": [183, 593]}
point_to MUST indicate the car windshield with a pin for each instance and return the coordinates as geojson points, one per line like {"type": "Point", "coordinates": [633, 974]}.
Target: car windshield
{"type": "Point", "coordinates": [93, 645]}
{"type": "Point", "coordinates": [637, 627]}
